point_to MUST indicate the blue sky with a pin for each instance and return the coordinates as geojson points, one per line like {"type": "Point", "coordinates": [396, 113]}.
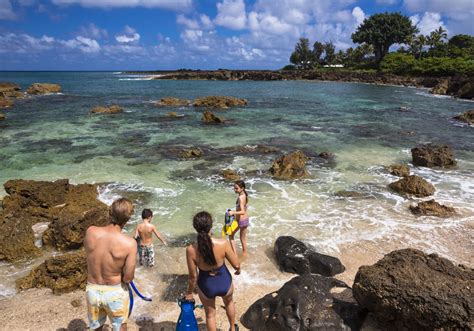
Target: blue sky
{"type": "Point", "coordinates": [204, 34]}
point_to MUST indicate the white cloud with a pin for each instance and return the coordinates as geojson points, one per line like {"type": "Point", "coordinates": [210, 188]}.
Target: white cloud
{"type": "Point", "coordinates": [130, 35]}
{"type": "Point", "coordinates": [24, 43]}
{"type": "Point", "coordinates": [359, 15]}
{"type": "Point", "coordinates": [429, 22]}
{"type": "Point", "coordinates": [93, 31]}
{"type": "Point", "coordinates": [231, 14]}
{"type": "Point", "coordinates": [85, 45]}
{"type": "Point", "coordinates": [177, 5]}
{"type": "Point", "coordinates": [458, 13]}
{"type": "Point", "coordinates": [6, 10]}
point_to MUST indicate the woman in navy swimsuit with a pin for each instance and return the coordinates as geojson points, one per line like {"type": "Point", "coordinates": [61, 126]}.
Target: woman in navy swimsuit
{"type": "Point", "coordinates": [206, 266]}
{"type": "Point", "coordinates": [241, 215]}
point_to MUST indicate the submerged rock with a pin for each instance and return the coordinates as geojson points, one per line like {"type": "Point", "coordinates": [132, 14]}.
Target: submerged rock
{"type": "Point", "coordinates": [172, 102]}
{"type": "Point", "coordinates": [413, 185]}
{"type": "Point", "coordinates": [432, 155]}
{"type": "Point", "coordinates": [304, 303]}
{"type": "Point", "coordinates": [114, 109]}
{"type": "Point", "coordinates": [290, 166]}
{"type": "Point", "coordinates": [68, 209]}
{"type": "Point", "coordinates": [410, 290]}
{"type": "Point", "coordinates": [209, 117]}
{"type": "Point", "coordinates": [43, 88]}
{"type": "Point", "coordinates": [432, 208]}
{"type": "Point", "coordinates": [2, 117]}
{"type": "Point", "coordinates": [173, 114]}
{"type": "Point", "coordinates": [62, 274]}
{"type": "Point", "coordinates": [467, 117]}
{"type": "Point", "coordinates": [5, 103]}
{"type": "Point", "coordinates": [294, 256]}
{"type": "Point", "coordinates": [222, 102]}
{"type": "Point", "coordinates": [352, 194]}
{"type": "Point", "coordinates": [400, 170]}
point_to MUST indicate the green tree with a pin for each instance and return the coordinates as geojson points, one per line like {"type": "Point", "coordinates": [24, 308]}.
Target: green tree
{"type": "Point", "coordinates": [415, 45]}
{"type": "Point", "coordinates": [318, 50]}
{"type": "Point", "coordinates": [461, 45]}
{"type": "Point", "coordinates": [383, 30]}
{"type": "Point", "coordinates": [329, 52]}
{"type": "Point", "coordinates": [302, 57]}
{"type": "Point", "coordinates": [436, 38]}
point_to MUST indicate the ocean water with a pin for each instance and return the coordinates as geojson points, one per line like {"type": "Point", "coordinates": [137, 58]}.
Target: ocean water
{"type": "Point", "coordinates": [54, 136]}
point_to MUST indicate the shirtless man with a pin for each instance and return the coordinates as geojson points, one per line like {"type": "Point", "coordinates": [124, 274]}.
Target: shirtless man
{"type": "Point", "coordinates": [111, 258]}
{"type": "Point", "coordinates": [144, 232]}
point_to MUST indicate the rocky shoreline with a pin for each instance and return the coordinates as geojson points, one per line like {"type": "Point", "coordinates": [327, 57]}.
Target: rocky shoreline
{"type": "Point", "coordinates": [457, 86]}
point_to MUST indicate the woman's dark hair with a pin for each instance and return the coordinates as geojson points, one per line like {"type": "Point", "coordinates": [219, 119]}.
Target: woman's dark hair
{"type": "Point", "coordinates": [241, 184]}
{"type": "Point", "coordinates": [202, 222]}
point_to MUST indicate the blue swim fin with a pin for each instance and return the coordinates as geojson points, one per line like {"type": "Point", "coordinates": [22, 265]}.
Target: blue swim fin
{"type": "Point", "coordinates": [187, 321]}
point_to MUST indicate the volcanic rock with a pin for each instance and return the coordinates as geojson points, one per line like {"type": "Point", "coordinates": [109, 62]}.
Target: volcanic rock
{"type": "Point", "coordinates": [290, 166]}
{"type": "Point", "coordinates": [62, 274]}
{"type": "Point", "coordinates": [209, 117]}
{"type": "Point", "coordinates": [413, 185]}
{"type": "Point", "coordinates": [304, 303]}
{"type": "Point", "coordinates": [432, 155]}
{"type": "Point", "coordinates": [230, 175]}
{"type": "Point", "coordinates": [114, 109]}
{"type": "Point", "coordinates": [43, 88]}
{"type": "Point", "coordinates": [410, 290]}
{"type": "Point", "coordinates": [467, 117]}
{"type": "Point", "coordinates": [441, 87]}
{"type": "Point", "coordinates": [190, 153]}
{"type": "Point", "coordinates": [5, 103]}
{"type": "Point", "coordinates": [294, 256]}
{"type": "Point", "coordinates": [8, 87]}
{"type": "Point", "coordinates": [172, 102]}
{"type": "Point", "coordinates": [68, 209]}
{"type": "Point", "coordinates": [222, 102]}
{"type": "Point", "coordinates": [2, 117]}
{"type": "Point", "coordinates": [432, 208]}
{"type": "Point", "coordinates": [400, 170]}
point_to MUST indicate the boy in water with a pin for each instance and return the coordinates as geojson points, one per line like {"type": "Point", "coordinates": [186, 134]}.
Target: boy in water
{"type": "Point", "coordinates": [144, 233]}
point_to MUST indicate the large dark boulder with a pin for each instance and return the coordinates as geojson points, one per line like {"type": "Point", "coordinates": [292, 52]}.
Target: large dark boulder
{"type": "Point", "coordinates": [413, 185]}
{"type": "Point", "coordinates": [67, 209]}
{"type": "Point", "coordinates": [64, 273]}
{"type": "Point", "coordinates": [290, 166]}
{"type": "Point", "coordinates": [306, 302]}
{"type": "Point", "coordinates": [432, 208]}
{"type": "Point", "coordinates": [410, 290]}
{"type": "Point", "coordinates": [294, 256]}
{"type": "Point", "coordinates": [431, 155]}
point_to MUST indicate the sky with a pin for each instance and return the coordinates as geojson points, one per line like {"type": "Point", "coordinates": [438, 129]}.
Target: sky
{"type": "Point", "coordinates": [195, 34]}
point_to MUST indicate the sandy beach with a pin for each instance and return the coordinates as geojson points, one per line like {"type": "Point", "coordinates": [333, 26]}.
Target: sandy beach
{"type": "Point", "coordinates": [39, 309]}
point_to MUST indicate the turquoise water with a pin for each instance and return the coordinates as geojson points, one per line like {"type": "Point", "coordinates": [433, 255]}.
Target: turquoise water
{"type": "Point", "coordinates": [54, 136]}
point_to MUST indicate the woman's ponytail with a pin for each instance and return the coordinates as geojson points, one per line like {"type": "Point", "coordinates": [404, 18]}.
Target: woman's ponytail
{"type": "Point", "coordinates": [202, 222]}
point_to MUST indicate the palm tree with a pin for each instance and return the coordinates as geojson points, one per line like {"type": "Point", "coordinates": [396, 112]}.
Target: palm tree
{"type": "Point", "coordinates": [437, 37]}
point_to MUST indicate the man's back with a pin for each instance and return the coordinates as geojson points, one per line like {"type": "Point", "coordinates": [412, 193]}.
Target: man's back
{"type": "Point", "coordinates": [109, 255]}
